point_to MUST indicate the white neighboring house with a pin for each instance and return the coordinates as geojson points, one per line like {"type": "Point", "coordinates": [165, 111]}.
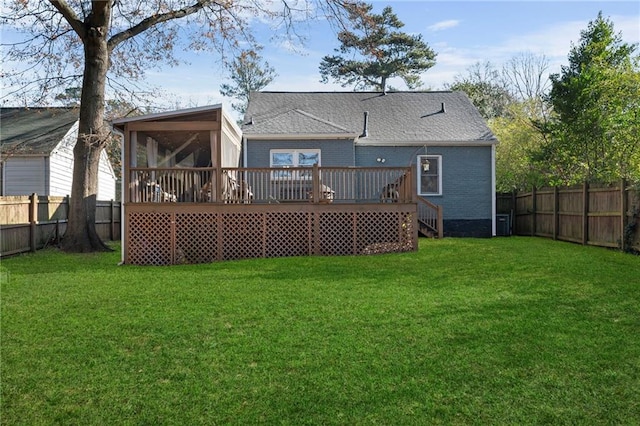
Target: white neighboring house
{"type": "Point", "coordinates": [36, 153]}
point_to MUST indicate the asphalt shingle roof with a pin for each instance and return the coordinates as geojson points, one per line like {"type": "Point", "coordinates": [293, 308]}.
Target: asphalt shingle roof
{"type": "Point", "coordinates": [394, 117]}
{"type": "Point", "coordinates": [34, 130]}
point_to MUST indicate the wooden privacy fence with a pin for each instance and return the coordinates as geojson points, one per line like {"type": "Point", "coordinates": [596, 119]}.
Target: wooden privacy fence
{"type": "Point", "coordinates": [600, 215]}
{"type": "Point", "coordinates": [29, 223]}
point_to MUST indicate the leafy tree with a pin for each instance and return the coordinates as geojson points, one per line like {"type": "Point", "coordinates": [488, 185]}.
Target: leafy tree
{"type": "Point", "coordinates": [525, 76]}
{"type": "Point", "coordinates": [596, 102]}
{"type": "Point", "coordinates": [248, 74]}
{"type": "Point", "coordinates": [513, 103]}
{"type": "Point", "coordinates": [519, 140]}
{"type": "Point", "coordinates": [93, 43]}
{"type": "Point", "coordinates": [485, 88]}
{"type": "Point", "coordinates": [379, 52]}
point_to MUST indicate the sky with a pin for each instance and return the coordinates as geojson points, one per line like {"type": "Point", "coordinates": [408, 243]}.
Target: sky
{"type": "Point", "coordinates": [462, 33]}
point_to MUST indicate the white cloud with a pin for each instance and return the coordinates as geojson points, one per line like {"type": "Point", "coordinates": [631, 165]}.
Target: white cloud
{"type": "Point", "coordinates": [444, 25]}
{"type": "Point", "coordinates": [292, 47]}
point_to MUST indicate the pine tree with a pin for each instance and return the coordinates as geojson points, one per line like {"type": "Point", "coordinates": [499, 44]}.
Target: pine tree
{"type": "Point", "coordinates": [248, 74]}
{"type": "Point", "coordinates": [379, 52]}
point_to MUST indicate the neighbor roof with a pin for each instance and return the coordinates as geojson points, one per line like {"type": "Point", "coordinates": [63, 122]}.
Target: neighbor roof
{"type": "Point", "coordinates": [34, 130]}
{"type": "Point", "coordinates": [393, 118]}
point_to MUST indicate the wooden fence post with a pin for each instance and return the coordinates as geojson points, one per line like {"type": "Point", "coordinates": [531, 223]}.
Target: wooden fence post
{"type": "Point", "coordinates": [624, 219]}
{"type": "Point", "coordinates": [514, 211]}
{"type": "Point", "coordinates": [33, 221]}
{"type": "Point", "coordinates": [556, 213]}
{"type": "Point", "coordinates": [112, 233]}
{"type": "Point", "coordinates": [585, 213]}
{"type": "Point", "coordinates": [533, 211]}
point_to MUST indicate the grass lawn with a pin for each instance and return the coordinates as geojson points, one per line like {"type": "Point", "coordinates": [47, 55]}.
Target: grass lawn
{"type": "Point", "coordinates": [465, 331]}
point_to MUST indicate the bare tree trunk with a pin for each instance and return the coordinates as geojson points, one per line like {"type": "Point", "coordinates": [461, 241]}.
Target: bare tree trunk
{"type": "Point", "coordinates": [81, 234]}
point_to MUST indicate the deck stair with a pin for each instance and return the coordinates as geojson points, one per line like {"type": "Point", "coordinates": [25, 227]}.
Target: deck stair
{"type": "Point", "coordinates": [430, 221]}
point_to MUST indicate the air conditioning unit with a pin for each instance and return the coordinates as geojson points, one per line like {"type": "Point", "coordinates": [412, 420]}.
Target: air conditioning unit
{"type": "Point", "coordinates": [503, 225]}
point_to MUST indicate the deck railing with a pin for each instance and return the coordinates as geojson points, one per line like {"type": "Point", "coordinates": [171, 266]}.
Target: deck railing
{"type": "Point", "coordinates": [430, 217]}
{"type": "Point", "coordinates": [161, 185]}
{"type": "Point", "coordinates": [271, 185]}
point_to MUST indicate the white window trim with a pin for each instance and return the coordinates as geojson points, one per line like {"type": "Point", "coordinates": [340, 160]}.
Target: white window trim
{"type": "Point", "coordinates": [438, 159]}
{"type": "Point", "coordinates": [295, 156]}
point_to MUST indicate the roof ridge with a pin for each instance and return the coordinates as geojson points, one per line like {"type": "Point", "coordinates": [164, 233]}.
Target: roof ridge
{"type": "Point", "coordinates": [388, 92]}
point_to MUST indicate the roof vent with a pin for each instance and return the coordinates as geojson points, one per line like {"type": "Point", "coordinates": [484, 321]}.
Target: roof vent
{"type": "Point", "coordinates": [443, 109]}
{"type": "Point", "coordinates": [365, 130]}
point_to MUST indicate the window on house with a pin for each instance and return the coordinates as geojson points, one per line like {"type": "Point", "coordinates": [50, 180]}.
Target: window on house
{"type": "Point", "coordinates": [430, 174]}
{"type": "Point", "coordinates": [284, 158]}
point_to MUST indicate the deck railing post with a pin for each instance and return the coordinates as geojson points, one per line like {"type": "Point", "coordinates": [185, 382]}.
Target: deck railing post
{"type": "Point", "coordinates": [413, 178]}
{"type": "Point", "coordinates": [440, 222]}
{"type": "Point", "coordinates": [315, 191]}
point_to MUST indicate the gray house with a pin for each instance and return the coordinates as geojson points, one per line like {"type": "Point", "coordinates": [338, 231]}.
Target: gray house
{"type": "Point", "coordinates": [36, 153]}
{"type": "Point", "coordinates": [441, 133]}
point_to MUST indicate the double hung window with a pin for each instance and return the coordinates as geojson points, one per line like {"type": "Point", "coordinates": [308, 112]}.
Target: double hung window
{"type": "Point", "coordinates": [293, 159]}
{"type": "Point", "coordinates": [430, 174]}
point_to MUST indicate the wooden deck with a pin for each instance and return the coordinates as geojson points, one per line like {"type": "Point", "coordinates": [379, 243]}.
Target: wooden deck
{"type": "Point", "coordinates": [164, 234]}
{"type": "Point", "coordinates": [176, 216]}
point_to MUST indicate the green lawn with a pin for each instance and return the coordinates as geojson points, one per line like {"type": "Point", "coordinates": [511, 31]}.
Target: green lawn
{"type": "Point", "coordinates": [465, 331]}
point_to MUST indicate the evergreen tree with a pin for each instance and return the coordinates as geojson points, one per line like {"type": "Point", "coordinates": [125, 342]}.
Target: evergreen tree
{"type": "Point", "coordinates": [596, 102]}
{"type": "Point", "coordinates": [248, 74]}
{"type": "Point", "coordinates": [378, 52]}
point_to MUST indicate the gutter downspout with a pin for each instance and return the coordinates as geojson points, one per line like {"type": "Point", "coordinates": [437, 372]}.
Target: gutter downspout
{"type": "Point", "coordinates": [2, 167]}
{"type": "Point", "coordinates": [244, 152]}
{"type": "Point", "coordinates": [493, 190]}
{"type": "Point", "coordinates": [122, 193]}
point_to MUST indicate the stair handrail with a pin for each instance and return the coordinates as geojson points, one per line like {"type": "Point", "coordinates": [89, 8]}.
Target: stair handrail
{"type": "Point", "coordinates": [430, 214]}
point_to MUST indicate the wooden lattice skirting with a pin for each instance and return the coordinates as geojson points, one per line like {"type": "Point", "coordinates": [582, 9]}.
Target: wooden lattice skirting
{"type": "Point", "coordinates": [164, 235]}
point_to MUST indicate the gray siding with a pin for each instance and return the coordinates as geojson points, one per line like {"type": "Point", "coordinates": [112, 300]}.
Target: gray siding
{"type": "Point", "coordinates": [466, 178]}
{"type": "Point", "coordinates": [333, 153]}
{"type": "Point", "coordinates": [466, 182]}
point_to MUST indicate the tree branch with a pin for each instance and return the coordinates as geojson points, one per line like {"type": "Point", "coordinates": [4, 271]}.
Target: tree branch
{"type": "Point", "coordinates": [149, 22]}
{"type": "Point", "coordinates": [71, 17]}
